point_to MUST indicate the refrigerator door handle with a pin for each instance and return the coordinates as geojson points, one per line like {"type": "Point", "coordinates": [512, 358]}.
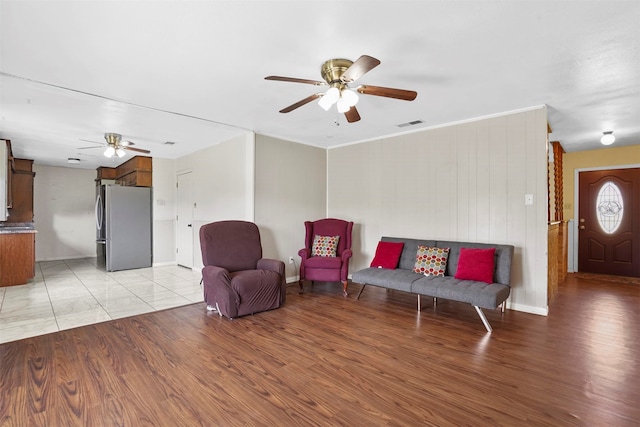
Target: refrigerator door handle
{"type": "Point", "coordinates": [99, 212]}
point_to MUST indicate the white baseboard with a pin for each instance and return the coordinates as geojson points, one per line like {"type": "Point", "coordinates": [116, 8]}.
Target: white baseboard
{"type": "Point", "coordinates": [542, 311]}
{"type": "Point", "coordinates": [66, 257]}
{"type": "Point", "coordinates": [163, 264]}
{"type": "Point", "coordinates": [292, 279]}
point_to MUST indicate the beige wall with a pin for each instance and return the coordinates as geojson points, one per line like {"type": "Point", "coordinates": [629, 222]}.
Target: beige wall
{"type": "Point", "coordinates": [164, 211]}
{"type": "Point", "coordinates": [290, 189]}
{"type": "Point", "coordinates": [63, 205]}
{"type": "Point", "coordinates": [465, 182]}
{"type": "Point", "coordinates": [223, 184]}
{"type": "Point", "coordinates": [615, 156]}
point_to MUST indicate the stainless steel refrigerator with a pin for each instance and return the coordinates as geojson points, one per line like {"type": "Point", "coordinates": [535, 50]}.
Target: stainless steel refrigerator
{"type": "Point", "coordinates": [123, 227]}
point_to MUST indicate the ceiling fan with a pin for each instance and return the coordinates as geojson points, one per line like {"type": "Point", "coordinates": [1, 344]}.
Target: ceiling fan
{"type": "Point", "coordinates": [338, 74]}
{"type": "Point", "coordinates": [115, 145]}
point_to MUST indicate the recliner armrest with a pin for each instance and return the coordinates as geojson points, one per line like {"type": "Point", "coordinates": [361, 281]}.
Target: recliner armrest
{"type": "Point", "coordinates": [277, 266]}
{"type": "Point", "coordinates": [218, 280]}
{"type": "Point", "coordinates": [271, 264]}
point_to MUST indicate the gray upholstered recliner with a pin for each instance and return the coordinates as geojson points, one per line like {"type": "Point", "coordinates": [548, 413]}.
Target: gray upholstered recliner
{"type": "Point", "coordinates": [237, 280]}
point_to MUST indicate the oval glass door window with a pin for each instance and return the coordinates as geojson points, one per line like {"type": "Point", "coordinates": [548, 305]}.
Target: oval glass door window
{"type": "Point", "coordinates": [609, 207]}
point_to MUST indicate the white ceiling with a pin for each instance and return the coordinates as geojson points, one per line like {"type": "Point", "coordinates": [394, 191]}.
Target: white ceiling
{"type": "Point", "coordinates": [192, 72]}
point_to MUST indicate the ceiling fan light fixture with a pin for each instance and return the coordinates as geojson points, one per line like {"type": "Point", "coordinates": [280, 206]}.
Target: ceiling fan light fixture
{"type": "Point", "coordinates": [120, 152]}
{"type": "Point", "coordinates": [109, 152]}
{"type": "Point", "coordinates": [607, 138]}
{"type": "Point", "coordinates": [343, 105]}
{"type": "Point", "coordinates": [350, 97]}
{"type": "Point", "coordinates": [329, 98]}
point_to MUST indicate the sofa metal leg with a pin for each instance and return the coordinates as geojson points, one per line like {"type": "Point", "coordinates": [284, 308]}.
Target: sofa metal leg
{"type": "Point", "coordinates": [419, 305]}
{"type": "Point", "coordinates": [483, 318]}
{"type": "Point", "coordinates": [503, 305]}
{"type": "Point", "coordinates": [435, 301]}
{"type": "Point", "coordinates": [361, 289]}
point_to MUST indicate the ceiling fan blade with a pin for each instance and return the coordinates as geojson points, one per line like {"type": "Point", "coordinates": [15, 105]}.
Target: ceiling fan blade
{"type": "Point", "coordinates": [295, 80]}
{"type": "Point", "coordinates": [86, 148]}
{"type": "Point", "coordinates": [363, 65]}
{"type": "Point", "coordinates": [298, 104]}
{"type": "Point", "coordinates": [93, 142]}
{"type": "Point", "coordinates": [139, 150]}
{"type": "Point", "coordinates": [127, 143]}
{"type": "Point", "coordinates": [406, 95]}
{"type": "Point", "coordinates": [352, 115]}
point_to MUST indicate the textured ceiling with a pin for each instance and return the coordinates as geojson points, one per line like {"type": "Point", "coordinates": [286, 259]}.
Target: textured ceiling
{"type": "Point", "coordinates": [192, 72]}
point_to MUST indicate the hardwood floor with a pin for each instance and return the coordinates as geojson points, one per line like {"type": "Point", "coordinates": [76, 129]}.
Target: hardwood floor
{"type": "Point", "coordinates": [327, 360]}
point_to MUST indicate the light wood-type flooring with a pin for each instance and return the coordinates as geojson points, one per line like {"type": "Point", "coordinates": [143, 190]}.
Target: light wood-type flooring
{"type": "Point", "coordinates": [326, 360]}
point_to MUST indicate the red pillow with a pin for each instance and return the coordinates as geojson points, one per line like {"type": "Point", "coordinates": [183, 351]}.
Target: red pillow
{"type": "Point", "coordinates": [387, 254]}
{"type": "Point", "coordinates": [476, 264]}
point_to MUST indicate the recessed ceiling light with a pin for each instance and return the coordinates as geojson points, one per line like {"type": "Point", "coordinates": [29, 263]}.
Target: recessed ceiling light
{"type": "Point", "coordinates": [73, 161]}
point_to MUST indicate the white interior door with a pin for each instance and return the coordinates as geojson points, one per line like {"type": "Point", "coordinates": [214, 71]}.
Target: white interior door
{"type": "Point", "coordinates": [184, 221]}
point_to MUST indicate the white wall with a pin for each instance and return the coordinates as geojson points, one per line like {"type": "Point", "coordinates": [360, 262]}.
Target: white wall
{"type": "Point", "coordinates": [465, 182]}
{"type": "Point", "coordinates": [290, 189]}
{"type": "Point", "coordinates": [164, 211]}
{"type": "Point", "coordinates": [64, 216]}
{"type": "Point", "coordinates": [223, 177]}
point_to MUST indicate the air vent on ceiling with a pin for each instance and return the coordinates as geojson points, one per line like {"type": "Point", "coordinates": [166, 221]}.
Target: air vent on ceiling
{"type": "Point", "coordinates": [412, 123]}
{"type": "Point", "coordinates": [73, 161]}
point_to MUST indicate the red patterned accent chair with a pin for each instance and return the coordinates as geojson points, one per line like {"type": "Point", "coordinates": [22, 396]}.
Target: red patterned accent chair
{"type": "Point", "coordinates": [237, 280]}
{"type": "Point", "coordinates": [319, 264]}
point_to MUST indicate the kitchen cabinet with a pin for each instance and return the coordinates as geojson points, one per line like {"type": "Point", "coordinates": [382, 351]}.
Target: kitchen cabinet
{"type": "Point", "coordinates": [17, 254]}
{"type": "Point", "coordinates": [135, 172]}
{"type": "Point", "coordinates": [21, 194]}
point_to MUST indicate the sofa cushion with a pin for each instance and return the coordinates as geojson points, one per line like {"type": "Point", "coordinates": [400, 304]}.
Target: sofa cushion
{"type": "Point", "coordinates": [387, 254]}
{"type": "Point", "coordinates": [331, 262]}
{"type": "Point", "coordinates": [324, 245]}
{"type": "Point", "coordinates": [431, 261]}
{"type": "Point", "coordinates": [476, 264]}
{"type": "Point", "coordinates": [398, 279]}
{"type": "Point", "coordinates": [482, 294]}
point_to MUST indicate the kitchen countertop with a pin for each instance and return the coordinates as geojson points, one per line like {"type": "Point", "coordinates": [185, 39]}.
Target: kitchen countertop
{"type": "Point", "coordinates": [17, 227]}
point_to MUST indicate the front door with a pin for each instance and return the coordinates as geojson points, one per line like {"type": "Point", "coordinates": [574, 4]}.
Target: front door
{"type": "Point", "coordinates": [608, 222]}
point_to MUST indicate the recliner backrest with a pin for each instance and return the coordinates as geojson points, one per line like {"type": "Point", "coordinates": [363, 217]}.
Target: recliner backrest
{"type": "Point", "coordinates": [233, 245]}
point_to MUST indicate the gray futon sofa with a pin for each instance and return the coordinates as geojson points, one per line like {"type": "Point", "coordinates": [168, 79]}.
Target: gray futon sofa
{"type": "Point", "coordinates": [479, 294]}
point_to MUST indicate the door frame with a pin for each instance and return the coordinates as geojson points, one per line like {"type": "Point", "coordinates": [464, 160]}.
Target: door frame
{"type": "Point", "coordinates": [576, 205]}
{"type": "Point", "coordinates": [177, 231]}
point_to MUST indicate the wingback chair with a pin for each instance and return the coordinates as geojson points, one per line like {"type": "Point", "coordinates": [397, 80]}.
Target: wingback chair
{"type": "Point", "coordinates": [317, 263]}
{"type": "Point", "coordinates": [237, 280]}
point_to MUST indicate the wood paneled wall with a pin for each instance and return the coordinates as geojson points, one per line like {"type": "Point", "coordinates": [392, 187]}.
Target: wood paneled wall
{"type": "Point", "coordinates": [465, 182]}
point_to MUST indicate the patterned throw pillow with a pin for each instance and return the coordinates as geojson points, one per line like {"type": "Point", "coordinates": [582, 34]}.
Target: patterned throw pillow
{"type": "Point", "coordinates": [431, 261]}
{"type": "Point", "coordinates": [324, 245]}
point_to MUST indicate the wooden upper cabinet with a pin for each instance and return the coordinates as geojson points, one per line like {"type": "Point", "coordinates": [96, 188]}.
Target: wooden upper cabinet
{"type": "Point", "coordinates": [135, 172]}
{"type": "Point", "coordinates": [22, 177]}
{"type": "Point", "coordinates": [106, 173]}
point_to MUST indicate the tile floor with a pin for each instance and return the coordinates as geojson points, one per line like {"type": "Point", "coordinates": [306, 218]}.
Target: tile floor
{"type": "Point", "coordinates": [71, 293]}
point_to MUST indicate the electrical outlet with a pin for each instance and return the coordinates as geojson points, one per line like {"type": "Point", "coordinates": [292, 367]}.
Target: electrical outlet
{"type": "Point", "coordinates": [290, 260]}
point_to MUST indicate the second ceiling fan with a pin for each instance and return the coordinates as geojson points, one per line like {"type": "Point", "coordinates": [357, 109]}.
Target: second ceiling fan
{"type": "Point", "coordinates": [115, 145]}
{"type": "Point", "coordinates": [338, 74]}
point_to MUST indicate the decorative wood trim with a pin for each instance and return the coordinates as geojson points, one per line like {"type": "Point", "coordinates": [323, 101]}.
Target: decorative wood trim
{"type": "Point", "coordinates": [558, 152]}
